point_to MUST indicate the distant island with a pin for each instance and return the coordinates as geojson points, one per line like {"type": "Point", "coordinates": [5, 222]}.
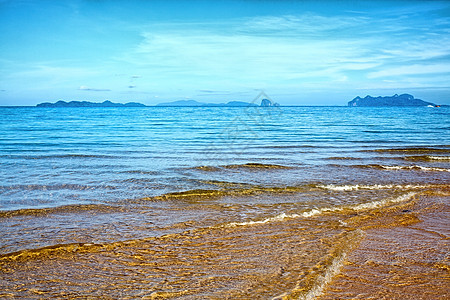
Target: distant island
{"type": "Point", "coordinates": [368, 101]}
{"type": "Point", "coordinates": [180, 103]}
{"type": "Point", "coordinates": [264, 103]}
{"type": "Point", "coordinates": [196, 103]}
{"type": "Point", "coordinates": [396, 100]}
{"type": "Point", "coordinates": [106, 103]}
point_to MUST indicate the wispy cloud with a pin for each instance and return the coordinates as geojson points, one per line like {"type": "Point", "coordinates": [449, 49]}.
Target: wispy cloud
{"type": "Point", "coordinates": [247, 57]}
{"type": "Point", "coordinates": [411, 70]}
{"type": "Point", "coordinates": [295, 50]}
{"type": "Point", "coordinates": [214, 93]}
{"type": "Point", "coordinates": [304, 25]}
{"type": "Point", "coordinates": [86, 88]}
{"type": "Point", "coordinates": [298, 51]}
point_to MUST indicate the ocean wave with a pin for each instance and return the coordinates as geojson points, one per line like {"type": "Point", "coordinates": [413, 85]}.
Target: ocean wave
{"type": "Point", "coordinates": [191, 194]}
{"type": "Point", "coordinates": [384, 202]}
{"type": "Point", "coordinates": [427, 158]}
{"type": "Point", "coordinates": [59, 209]}
{"type": "Point", "coordinates": [414, 167]}
{"type": "Point", "coordinates": [280, 217]}
{"type": "Point", "coordinates": [344, 158]}
{"type": "Point", "coordinates": [226, 184]}
{"type": "Point", "coordinates": [354, 187]}
{"type": "Point", "coordinates": [203, 194]}
{"type": "Point", "coordinates": [247, 190]}
{"type": "Point", "coordinates": [70, 156]}
{"type": "Point", "coordinates": [140, 172]}
{"type": "Point", "coordinates": [200, 194]}
{"type": "Point", "coordinates": [414, 150]}
{"type": "Point", "coordinates": [288, 146]}
{"type": "Point", "coordinates": [208, 168]}
{"type": "Point", "coordinates": [50, 250]}
{"type": "Point", "coordinates": [318, 211]}
{"type": "Point", "coordinates": [249, 166]}
{"type": "Point", "coordinates": [89, 247]}
{"type": "Point", "coordinates": [439, 157]}
{"type": "Point", "coordinates": [65, 186]}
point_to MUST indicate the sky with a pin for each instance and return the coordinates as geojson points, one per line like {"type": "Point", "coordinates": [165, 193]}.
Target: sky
{"type": "Point", "coordinates": [297, 52]}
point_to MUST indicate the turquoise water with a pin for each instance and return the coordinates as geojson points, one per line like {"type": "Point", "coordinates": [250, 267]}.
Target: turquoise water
{"type": "Point", "coordinates": [54, 157]}
{"type": "Point", "coordinates": [223, 203]}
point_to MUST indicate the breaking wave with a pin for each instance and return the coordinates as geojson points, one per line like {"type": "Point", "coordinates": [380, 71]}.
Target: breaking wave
{"type": "Point", "coordinates": [200, 194]}
{"type": "Point", "coordinates": [319, 211]}
{"type": "Point", "coordinates": [334, 187]}
{"type": "Point", "coordinates": [414, 167]}
{"type": "Point", "coordinates": [427, 158]}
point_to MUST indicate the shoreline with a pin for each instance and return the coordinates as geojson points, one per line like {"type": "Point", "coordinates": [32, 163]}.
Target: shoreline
{"type": "Point", "coordinates": [409, 261]}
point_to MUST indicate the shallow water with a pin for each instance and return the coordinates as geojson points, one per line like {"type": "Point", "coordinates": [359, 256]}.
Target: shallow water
{"type": "Point", "coordinates": [237, 203]}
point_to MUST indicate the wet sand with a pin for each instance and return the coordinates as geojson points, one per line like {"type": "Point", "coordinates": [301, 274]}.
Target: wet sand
{"type": "Point", "coordinates": [410, 261]}
{"type": "Point", "coordinates": [392, 249]}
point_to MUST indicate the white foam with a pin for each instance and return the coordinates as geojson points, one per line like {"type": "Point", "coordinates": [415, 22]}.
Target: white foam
{"type": "Point", "coordinates": [317, 211]}
{"type": "Point", "coordinates": [281, 217]}
{"type": "Point", "coordinates": [380, 203]}
{"type": "Point", "coordinates": [313, 212]}
{"type": "Point", "coordinates": [271, 219]}
{"type": "Point", "coordinates": [355, 187]}
{"type": "Point", "coordinates": [362, 206]}
{"type": "Point", "coordinates": [415, 167]}
{"type": "Point", "coordinates": [439, 157]}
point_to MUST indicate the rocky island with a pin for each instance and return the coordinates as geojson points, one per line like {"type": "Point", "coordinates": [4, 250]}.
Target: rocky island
{"type": "Point", "coordinates": [198, 104]}
{"type": "Point", "coordinates": [106, 103]}
{"type": "Point", "coordinates": [396, 100]}
{"type": "Point", "coordinates": [180, 103]}
{"type": "Point", "coordinates": [264, 103]}
{"type": "Point", "coordinates": [268, 103]}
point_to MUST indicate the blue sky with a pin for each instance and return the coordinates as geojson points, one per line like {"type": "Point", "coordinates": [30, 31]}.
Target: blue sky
{"type": "Point", "coordinates": [298, 52]}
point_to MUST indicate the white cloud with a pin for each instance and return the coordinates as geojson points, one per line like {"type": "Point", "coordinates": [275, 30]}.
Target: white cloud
{"type": "Point", "coordinates": [245, 57]}
{"type": "Point", "coordinates": [411, 70]}
{"type": "Point", "coordinates": [287, 50]}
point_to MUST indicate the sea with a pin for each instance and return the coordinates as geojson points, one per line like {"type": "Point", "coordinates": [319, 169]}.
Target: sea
{"type": "Point", "coordinates": [225, 203]}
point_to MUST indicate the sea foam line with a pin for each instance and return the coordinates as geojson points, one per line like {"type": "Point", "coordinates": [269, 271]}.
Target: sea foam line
{"type": "Point", "coordinates": [439, 157]}
{"type": "Point", "coordinates": [268, 220]}
{"type": "Point", "coordinates": [318, 211]}
{"type": "Point", "coordinates": [355, 187]}
{"type": "Point", "coordinates": [414, 167]}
